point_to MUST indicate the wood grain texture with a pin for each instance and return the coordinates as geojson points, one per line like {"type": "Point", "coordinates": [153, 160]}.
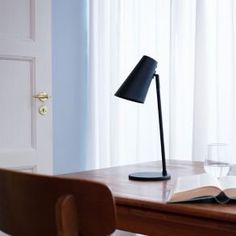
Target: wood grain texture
{"type": "Point", "coordinates": [37, 205]}
{"type": "Point", "coordinates": [142, 207]}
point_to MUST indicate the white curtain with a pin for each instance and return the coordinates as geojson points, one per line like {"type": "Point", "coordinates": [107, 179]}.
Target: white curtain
{"type": "Point", "coordinates": [194, 44]}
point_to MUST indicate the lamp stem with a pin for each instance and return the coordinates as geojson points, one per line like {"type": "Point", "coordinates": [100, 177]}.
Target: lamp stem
{"type": "Point", "coordinates": [164, 172]}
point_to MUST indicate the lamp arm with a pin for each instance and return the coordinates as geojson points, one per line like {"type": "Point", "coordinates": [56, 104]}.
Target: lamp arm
{"type": "Point", "coordinates": [164, 171]}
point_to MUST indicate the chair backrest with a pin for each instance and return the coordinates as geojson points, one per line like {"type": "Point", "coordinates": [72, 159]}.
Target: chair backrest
{"type": "Point", "coordinates": [38, 205]}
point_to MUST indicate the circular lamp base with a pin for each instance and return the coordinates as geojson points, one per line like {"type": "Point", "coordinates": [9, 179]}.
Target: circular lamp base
{"type": "Point", "coordinates": [148, 176]}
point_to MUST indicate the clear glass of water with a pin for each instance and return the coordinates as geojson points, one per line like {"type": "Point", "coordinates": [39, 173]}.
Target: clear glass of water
{"type": "Point", "coordinates": [217, 161]}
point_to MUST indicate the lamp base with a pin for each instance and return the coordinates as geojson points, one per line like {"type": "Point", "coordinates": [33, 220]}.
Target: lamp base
{"type": "Point", "coordinates": [148, 176]}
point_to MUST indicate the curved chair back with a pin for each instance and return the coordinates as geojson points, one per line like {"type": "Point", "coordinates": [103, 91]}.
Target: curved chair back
{"type": "Point", "coordinates": [32, 204]}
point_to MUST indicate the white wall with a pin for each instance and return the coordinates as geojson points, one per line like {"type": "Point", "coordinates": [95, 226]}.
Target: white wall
{"type": "Point", "coordinates": [69, 50]}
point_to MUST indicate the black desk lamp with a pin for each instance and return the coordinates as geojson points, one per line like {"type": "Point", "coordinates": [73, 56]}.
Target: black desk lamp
{"type": "Point", "coordinates": [135, 89]}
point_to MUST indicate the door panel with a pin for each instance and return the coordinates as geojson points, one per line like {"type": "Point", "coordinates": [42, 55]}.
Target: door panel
{"type": "Point", "coordinates": [25, 70]}
{"type": "Point", "coordinates": [17, 115]}
{"type": "Point", "coordinates": [16, 19]}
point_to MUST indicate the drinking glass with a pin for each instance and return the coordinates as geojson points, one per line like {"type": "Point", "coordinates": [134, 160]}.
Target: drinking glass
{"type": "Point", "coordinates": [217, 161]}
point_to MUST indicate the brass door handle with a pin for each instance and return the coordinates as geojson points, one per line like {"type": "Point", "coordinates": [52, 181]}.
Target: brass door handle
{"type": "Point", "coordinates": [42, 96]}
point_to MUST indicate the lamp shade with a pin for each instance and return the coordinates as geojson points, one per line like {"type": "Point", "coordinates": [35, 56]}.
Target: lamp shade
{"type": "Point", "coordinates": [136, 86]}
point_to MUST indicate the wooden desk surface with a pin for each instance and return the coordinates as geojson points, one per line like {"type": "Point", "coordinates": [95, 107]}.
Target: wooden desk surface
{"type": "Point", "coordinates": [141, 206]}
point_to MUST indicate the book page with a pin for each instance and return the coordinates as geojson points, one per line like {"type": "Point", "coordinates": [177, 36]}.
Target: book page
{"type": "Point", "coordinates": [228, 185]}
{"type": "Point", "coordinates": [187, 183]}
{"type": "Point", "coordinates": [228, 182]}
{"type": "Point", "coordinates": [195, 187]}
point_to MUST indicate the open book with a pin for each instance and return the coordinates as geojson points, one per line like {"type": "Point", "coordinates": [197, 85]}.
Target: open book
{"type": "Point", "coordinates": [203, 186]}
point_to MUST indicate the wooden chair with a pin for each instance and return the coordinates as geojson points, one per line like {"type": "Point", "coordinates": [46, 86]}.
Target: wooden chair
{"type": "Point", "coordinates": [37, 205]}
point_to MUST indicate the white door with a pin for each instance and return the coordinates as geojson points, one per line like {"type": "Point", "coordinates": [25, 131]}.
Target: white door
{"type": "Point", "coordinates": [25, 70]}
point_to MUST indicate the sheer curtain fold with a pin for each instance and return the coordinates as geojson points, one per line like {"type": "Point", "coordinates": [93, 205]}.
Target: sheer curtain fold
{"type": "Point", "coordinates": [214, 90]}
{"type": "Point", "coordinates": [194, 44]}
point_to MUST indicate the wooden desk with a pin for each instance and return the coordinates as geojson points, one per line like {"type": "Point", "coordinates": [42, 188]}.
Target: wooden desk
{"type": "Point", "coordinates": [141, 206]}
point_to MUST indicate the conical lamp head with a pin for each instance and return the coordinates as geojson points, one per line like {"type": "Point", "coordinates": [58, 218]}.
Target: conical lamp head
{"type": "Point", "coordinates": [136, 86]}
